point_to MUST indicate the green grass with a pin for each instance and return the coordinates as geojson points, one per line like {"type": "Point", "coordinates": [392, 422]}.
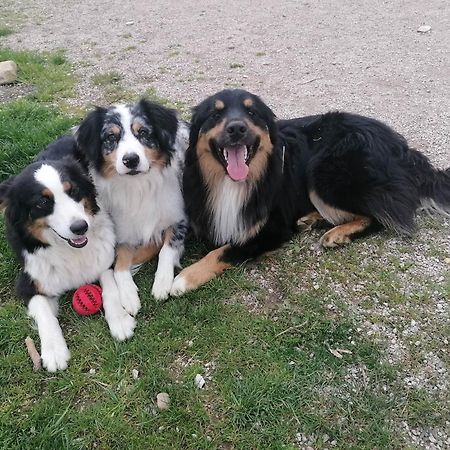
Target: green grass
{"type": "Point", "coordinates": [48, 73]}
{"type": "Point", "coordinates": [5, 31]}
{"type": "Point", "coordinates": [270, 372]}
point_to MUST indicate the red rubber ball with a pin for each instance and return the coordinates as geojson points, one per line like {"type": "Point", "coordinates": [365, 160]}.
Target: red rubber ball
{"type": "Point", "coordinates": [87, 299]}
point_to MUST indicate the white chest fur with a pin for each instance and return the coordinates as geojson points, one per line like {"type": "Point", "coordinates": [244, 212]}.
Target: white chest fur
{"type": "Point", "coordinates": [60, 267]}
{"type": "Point", "coordinates": [226, 201]}
{"type": "Point", "coordinates": [142, 206]}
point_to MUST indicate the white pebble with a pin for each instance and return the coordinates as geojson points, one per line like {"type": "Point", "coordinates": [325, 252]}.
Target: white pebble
{"type": "Point", "coordinates": [199, 381]}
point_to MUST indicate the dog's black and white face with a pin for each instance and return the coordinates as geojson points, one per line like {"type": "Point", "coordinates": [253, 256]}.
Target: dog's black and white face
{"type": "Point", "coordinates": [128, 139]}
{"type": "Point", "coordinates": [50, 202]}
{"type": "Point", "coordinates": [235, 129]}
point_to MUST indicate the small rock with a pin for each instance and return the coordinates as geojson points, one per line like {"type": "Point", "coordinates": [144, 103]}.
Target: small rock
{"type": "Point", "coordinates": [130, 22]}
{"type": "Point", "coordinates": [92, 371]}
{"type": "Point", "coordinates": [8, 72]}
{"type": "Point", "coordinates": [199, 381]}
{"type": "Point", "coordinates": [447, 260]}
{"type": "Point", "coordinates": [424, 29]}
{"type": "Point", "coordinates": [135, 373]}
{"type": "Point", "coordinates": [163, 401]}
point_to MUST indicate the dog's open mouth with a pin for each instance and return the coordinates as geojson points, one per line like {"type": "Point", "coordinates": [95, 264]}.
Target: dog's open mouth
{"type": "Point", "coordinates": [79, 242]}
{"type": "Point", "coordinates": [236, 158]}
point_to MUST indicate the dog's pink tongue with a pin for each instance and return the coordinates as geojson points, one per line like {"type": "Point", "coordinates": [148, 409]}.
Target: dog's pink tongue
{"type": "Point", "coordinates": [236, 167]}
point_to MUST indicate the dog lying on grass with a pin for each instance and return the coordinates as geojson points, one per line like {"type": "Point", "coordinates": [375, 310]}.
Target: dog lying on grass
{"type": "Point", "coordinates": [63, 239]}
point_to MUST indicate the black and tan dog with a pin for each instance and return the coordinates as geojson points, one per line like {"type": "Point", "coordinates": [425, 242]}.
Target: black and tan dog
{"type": "Point", "coordinates": [249, 179]}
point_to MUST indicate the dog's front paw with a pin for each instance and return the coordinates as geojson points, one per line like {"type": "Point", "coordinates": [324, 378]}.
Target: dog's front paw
{"type": "Point", "coordinates": [179, 285]}
{"type": "Point", "coordinates": [121, 326]}
{"type": "Point", "coordinates": [162, 285]}
{"type": "Point", "coordinates": [55, 355]}
{"type": "Point", "coordinates": [128, 291]}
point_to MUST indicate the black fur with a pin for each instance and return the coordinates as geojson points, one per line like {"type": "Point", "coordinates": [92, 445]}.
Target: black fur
{"type": "Point", "coordinates": [279, 197]}
{"type": "Point", "coordinates": [361, 165]}
{"type": "Point", "coordinates": [353, 163]}
{"type": "Point", "coordinates": [21, 195]}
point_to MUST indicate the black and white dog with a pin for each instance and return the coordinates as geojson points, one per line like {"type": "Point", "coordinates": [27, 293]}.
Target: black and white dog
{"type": "Point", "coordinates": [135, 154]}
{"type": "Point", "coordinates": [63, 240]}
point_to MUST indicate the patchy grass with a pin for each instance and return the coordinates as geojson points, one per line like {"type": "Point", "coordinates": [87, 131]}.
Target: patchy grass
{"type": "Point", "coordinates": [5, 31]}
{"type": "Point", "coordinates": [49, 73]}
{"type": "Point", "coordinates": [264, 336]}
{"type": "Point", "coordinates": [107, 78]}
{"type": "Point", "coordinates": [182, 108]}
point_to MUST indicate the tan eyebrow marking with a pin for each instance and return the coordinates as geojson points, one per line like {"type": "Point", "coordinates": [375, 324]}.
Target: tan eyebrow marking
{"type": "Point", "coordinates": [115, 129]}
{"type": "Point", "coordinates": [47, 193]}
{"type": "Point", "coordinates": [67, 186]}
{"type": "Point", "coordinates": [248, 102]}
{"type": "Point", "coordinates": [136, 126]}
{"type": "Point", "coordinates": [219, 105]}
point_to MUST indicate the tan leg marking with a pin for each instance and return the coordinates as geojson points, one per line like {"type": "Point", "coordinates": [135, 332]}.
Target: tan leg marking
{"type": "Point", "coordinates": [311, 220]}
{"type": "Point", "coordinates": [145, 253]}
{"type": "Point", "coordinates": [341, 234]}
{"type": "Point", "coordinates": [124, 258]}
{"type": "Point", "coordinates": [204, 270]}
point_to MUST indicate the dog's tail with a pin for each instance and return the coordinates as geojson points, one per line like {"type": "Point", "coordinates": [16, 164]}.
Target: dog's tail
{"type": "Point", "coordinates": [418, 185]}
{"type": "Point", "coordinates": [434, 184]}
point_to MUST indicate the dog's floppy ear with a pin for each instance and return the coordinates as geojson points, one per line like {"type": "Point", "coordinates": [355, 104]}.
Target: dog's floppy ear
{"type": "Point", "coordinates": [5, 188]}
{"type": "Point", "coordinates": [199, 115]}
{"type": "Point", "coordinates": [164, 122]}
{"type": "Point", "coordinates": [269, 117]}
{"type": "Point", "coordinates": [88, 136]}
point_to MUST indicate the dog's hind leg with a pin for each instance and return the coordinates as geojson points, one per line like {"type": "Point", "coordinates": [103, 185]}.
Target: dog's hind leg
{"type": "Point", "coordinates": [169, 258]}
{"type": "Point", "coordinates": [343, 234]}
{"type": "Point", "coordinates": [311, 220]}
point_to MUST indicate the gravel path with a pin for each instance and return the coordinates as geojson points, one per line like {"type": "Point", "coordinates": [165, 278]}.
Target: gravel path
{"type": "Point", "coordinates": [301, 56]}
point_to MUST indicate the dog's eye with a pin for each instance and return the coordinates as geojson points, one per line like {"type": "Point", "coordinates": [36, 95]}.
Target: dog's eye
{"type": "Point", "coordinates": [216, 115]}
{"type": "Point", "coordinates": [43, 203]}
{"type": "Point", "coordinates": [251, 113]}
{"type": "Point", "coordinates": [144, 133]}
{"type": "Point", "coordinates": [74, 191]}
{"type": "Point", "coordinates": [110, 140]}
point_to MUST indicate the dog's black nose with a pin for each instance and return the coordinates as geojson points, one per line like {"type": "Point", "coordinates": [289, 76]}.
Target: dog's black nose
{"type": "Point", "coordinates": [237, 129]}
{"type": "Point", "coordinates": [79, 227]}
{"type": "Point", "coordinates": [131, 160]}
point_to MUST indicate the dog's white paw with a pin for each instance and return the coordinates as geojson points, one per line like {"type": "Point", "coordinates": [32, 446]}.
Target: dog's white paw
{"type": "Point", "coordinates": [121, 325]}
{"type": "Point", "coordinates": [129, 297]}
{"type": "Point", "coordinates": [162, 285]}
{"type": "Point", "coordinates": [55, 355]}
{"type": "Point", "coordinates": [179, 286]}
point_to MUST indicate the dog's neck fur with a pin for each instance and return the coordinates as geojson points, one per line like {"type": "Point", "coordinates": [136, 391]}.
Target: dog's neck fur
{"type": "Point", "coordinates": [226, 201]}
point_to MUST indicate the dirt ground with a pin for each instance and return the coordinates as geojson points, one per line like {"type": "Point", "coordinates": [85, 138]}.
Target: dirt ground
{"type": "Point", "coordinates": [301, 57]}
